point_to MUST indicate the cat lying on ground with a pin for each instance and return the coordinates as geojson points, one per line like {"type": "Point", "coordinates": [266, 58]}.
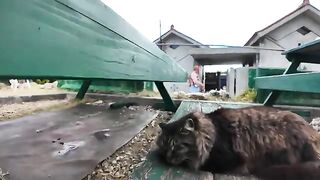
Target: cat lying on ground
{"type": "Point", "coordinates": [262, 141]}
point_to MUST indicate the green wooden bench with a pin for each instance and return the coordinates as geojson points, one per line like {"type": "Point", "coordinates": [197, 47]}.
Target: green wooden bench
{"type": "Point", "coordinates": [291, 80]}
{"type": "Point", "coordinates": [78, 39]}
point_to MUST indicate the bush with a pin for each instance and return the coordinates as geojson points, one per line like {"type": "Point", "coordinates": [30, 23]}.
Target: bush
{"type": "Point", "coordinates": [248, 95]}
{"type": "Point", "coordinates": [43, 81]}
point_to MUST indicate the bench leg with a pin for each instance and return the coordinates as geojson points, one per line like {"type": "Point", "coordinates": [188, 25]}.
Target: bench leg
{"type": "Point", "coordinates": [169, 105]}
{"type": "Point", "coordinates": [273, 96]}
{"type": "Point", "coordinates": [83, 89]}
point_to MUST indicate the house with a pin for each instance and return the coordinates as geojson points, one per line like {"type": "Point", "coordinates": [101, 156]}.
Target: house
{"type": "Point", "coordinates": [262, 50]}
{"type": "Point", "coordinates": [300, 26]}
{"type": "Point", "coordinates": [188, 52]}
{"type": "Point", "coordinates": [177, 45]}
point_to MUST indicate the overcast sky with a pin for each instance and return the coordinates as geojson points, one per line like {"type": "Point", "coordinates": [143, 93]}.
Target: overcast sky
{"type": "Point", "coordinates": [228, 22]}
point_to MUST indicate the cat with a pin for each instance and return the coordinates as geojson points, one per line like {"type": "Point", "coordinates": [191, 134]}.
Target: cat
{"type": "Point", "coordinates": [242, 141]}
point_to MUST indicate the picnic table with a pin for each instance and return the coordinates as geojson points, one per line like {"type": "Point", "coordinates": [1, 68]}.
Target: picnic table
{"type": "Point", "coordinates": [76, 40]}
{"type": "Point", "coordinates": [291, 80]}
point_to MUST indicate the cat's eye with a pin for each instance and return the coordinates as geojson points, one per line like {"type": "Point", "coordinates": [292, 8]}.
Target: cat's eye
{"type": "Point", "coordinates": [185, 144]}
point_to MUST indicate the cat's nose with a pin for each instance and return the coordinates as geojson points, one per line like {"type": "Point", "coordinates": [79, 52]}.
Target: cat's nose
{"type": "Point", "coordinates": [169, 156]}
{"type": "Point", "coordinates": [173, 161]}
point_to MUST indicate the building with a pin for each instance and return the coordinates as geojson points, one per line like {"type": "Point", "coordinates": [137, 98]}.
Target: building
{"type": "Point", "coordinates": [177, 45]}
{"type": "Point", "coordinates": [300, 26]}
{"type": "Point", "coordinates": [262, 50]}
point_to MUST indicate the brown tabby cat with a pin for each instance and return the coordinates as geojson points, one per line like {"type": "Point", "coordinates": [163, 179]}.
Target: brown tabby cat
{"type": "Point", "coordinates": [243, 141]}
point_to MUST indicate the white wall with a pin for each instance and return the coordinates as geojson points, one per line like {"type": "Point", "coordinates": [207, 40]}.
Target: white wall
{"type": "Point", "coordinates": [237, 81]}
{"type": "Point", "coordinates": [230, 82]}
{"type": "Point", "coordinates": [241, 80]}
{"type": "Point", "coordinates": [287, 37]}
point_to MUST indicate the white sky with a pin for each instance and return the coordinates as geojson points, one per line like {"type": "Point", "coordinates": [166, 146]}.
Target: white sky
{"type": "Point", "coordinates": [228, 22]}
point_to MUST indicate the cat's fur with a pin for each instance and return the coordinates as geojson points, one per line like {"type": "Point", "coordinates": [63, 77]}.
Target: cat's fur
{"type": "Point", "coordinates": [242, 141]}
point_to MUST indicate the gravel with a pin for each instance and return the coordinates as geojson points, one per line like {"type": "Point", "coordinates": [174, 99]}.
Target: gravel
{"type": "Point", "coordinates": [121, 163]}
{"type": "Point", "coordinates": [3, 174]}
{"type": "Point", "coordinates": [315, 123]}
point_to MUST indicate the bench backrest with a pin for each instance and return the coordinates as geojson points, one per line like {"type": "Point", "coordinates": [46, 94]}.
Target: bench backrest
{"type": "Point", "coordinates": [77, 39]}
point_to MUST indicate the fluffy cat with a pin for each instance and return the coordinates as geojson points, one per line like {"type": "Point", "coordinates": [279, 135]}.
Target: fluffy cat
{"type": "Point", "coordinates": [244, 141]}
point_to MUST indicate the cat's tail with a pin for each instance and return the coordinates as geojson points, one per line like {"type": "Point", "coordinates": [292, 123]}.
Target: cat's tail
{"type": "Point", "coordinates": [304, 171]}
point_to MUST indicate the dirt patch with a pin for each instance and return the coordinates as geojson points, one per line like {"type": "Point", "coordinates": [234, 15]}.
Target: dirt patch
{"type": "Point", "coordinates": [121, 163]}
{"type": "Point", "coordinates": [16, 110]}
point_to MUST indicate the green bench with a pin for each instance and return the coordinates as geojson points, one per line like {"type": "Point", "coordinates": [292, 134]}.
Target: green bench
{"type": "Point", "coordinates": [290, 80]}
{"type": "Point", "coordinates": [79, 40]}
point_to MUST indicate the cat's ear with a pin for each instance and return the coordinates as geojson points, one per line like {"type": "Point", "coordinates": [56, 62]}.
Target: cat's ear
{"type": "Point", "coordinates": [162, 125]}
{"type": "Point", "coordinates": [189, 125]}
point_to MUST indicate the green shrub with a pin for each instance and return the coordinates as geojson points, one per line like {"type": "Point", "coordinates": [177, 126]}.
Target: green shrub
{"type": "Point", "coordinates": [42, 81]}
{"type": "Point", "coordinates": [248, 95]}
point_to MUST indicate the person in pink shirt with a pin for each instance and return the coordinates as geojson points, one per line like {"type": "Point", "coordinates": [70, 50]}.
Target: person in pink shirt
{"type": "Point", "coordinates": [195, 85]}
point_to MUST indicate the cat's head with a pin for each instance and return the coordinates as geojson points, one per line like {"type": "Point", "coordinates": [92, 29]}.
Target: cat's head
{"type": "Point", "coordinates": [187, 141]}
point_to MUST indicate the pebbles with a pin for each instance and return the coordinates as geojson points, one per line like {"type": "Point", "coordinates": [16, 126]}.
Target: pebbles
{"type": "Point", "coordinates": [122, 162]}
{"type": "Point", "coordinates": [315, 123]}
{"type": "Point", "coordinates": [3, 174]}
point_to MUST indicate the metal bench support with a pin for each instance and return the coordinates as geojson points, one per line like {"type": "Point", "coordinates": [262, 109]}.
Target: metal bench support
{"type": "Point", "coordinates": [83, 89]}
{"type": "Point", "coordinates": [273, 95]}
{"type": "Point", "coordinates": [169, 105]}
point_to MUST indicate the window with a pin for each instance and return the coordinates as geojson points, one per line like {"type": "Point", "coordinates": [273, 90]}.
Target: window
{"type": "Point", "coordinates": [303, 30]}
{"type": "Point", "coordinates": [174, 46]}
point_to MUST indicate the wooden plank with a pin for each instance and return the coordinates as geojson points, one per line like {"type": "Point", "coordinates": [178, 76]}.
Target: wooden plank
{"type": "Point", "coordinates": [154, 168]}
{"type": "Point", "coordinates": [307, 58]}
{"type": "Point", "coordinates": [39, 146]}
{"type": "Point", "coordinates": [309, 52]}
{"type": "Point", "coordinates": [97, 11]}
{"type": "Point", "coordinates": [76, 40]}
{"type": "Point", "coordinates": [303, 82]}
